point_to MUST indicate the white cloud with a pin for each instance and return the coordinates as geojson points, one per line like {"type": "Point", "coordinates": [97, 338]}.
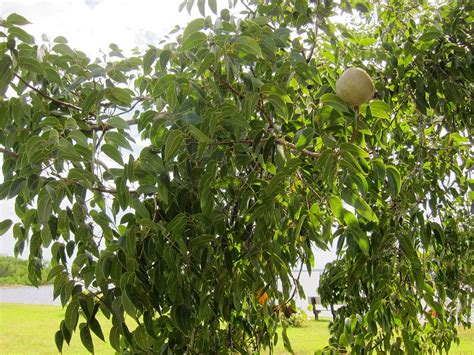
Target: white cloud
{"type": "Point", "coordinates": [91, 25]}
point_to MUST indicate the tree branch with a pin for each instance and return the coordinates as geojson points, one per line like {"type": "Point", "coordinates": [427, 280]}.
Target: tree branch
{"type": "Point", "coordinates": [8, 152]}
{"type": "Point", "coordinates": [50, 98]}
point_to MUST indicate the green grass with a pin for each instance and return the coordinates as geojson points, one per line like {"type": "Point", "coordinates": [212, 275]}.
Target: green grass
{"type": "Point", "coordinates": [14, 271]}
{"type": "Point", "coordinates": [312, 336]}
{"type": "Point", "coordinates": [30, 329]}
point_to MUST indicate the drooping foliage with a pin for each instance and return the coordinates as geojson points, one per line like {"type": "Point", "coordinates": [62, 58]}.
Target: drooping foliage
{"type": "Point", "coordinates": [179, 187]}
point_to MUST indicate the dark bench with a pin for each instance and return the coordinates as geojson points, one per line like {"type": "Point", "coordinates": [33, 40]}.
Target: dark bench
{"type": "Point", "coordinates": [315, 301]}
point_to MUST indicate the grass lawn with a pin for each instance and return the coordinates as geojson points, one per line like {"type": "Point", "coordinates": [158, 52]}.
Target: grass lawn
{"type": "Point", "coordinates": [29, 329]}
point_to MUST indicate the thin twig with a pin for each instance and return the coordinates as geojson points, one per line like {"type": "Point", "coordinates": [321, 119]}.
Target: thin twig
{"type": "Point", "coordinates": [313, 45]}
{"type": "Point", "coordinates": [227, 84]}
{"type": "Point", "coordinates": [248, 8]}
{"type": "Point", "coordinates": [295, 280]}
{"type": "Point", "coordinates": [295, 148]}
{"type": "Point", "coordinates": [241, 96]}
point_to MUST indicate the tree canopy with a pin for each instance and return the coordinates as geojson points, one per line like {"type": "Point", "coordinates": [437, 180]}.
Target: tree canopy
{"type": "Point", "coordinates": [248, 161]}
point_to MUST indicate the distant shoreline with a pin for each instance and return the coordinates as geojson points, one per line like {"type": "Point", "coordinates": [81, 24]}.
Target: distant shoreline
{"type": "Point", "coordinates": [16, 285]}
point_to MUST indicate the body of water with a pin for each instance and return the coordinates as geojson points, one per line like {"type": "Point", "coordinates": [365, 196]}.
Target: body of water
{"type": "Point", "coordinates": [44, 294]}
{"type": "Point", "coordinates": [29, 295]}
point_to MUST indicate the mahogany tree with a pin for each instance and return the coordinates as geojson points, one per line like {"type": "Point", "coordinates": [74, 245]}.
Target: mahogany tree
{"type": "Point", "coordinates": [248, 162]}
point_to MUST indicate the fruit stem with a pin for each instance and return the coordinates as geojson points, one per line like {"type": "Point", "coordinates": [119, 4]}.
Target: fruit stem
{"type": "Point", "coordinates": [356, 124]}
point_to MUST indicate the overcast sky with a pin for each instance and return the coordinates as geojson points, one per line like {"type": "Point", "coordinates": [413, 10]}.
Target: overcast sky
{"type": "Point", "coordinates": [91, 25]}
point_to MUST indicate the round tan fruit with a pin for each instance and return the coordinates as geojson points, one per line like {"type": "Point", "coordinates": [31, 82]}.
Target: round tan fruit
{"type": "Point", "coordinates": [354, 86]}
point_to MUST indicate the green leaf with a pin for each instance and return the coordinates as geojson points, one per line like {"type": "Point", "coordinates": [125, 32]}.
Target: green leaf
{"type": "Point", "coordinates": [286, 340]}
{"type": "Point", "coordinates": [198, 134]}
{"type": "Point", "coordinates": [343, 340]}
{"type": "Point", "coordinates": [91, 102]}
{"type": "Point", "coordinates": [248, 45]}
{"type": "Point", "coordinates": [52, 76]}
{"type": "Point", "coordinates": [279, 105]}
{"type": "Point", "coordinates": [336, 207]}
{"type": "Point", "coordinates": [350, 162]}
{"type": "Point", "coordinates": [120, 96]}
{"type": "Point", "coordinates": [5, 226]}
{"type": "Point", "coordinates": [365, 210]}
{"type": "Point", "coordinates": [202, 239]}
{"type": "Point", "coordinates": [79, 138]}
{"type": "Point", "coordinates": [350, 220]}
{"type": "Point", "coordinates": [164, 59]}
{"type": "Point", "coordinates": [59, 340]}
{"type": "Point", "coordinates": [54, 272]}
{"type": "Point", "coordinates": [67, 151]}
{"type": "Point", "coordinates": [94, 325]}
{"type": "Point", "coordinates": [112, 153]}
{"type": "Point", "coordinates": [378, 169]}
{"type": "Point", "coordinates": [173, 142]}
{"type": "Point", "coordinates": [114, 338]}
{"type": "Point", "coordinates": [72, 315]}
{"type": "Point", "coordinates": [46, 236]}
{"type": "Point", "coordinates": [147, 189]}
{"type": "Point", "coordinates": [429, 36]}
{"type": "Point", "coordinates": [86, 338]}
{"type": "Point", "coordinates": [15, 19]}
{"type": "Point", "coordinates": [118, 139]}
{"type": "Point", "coordinates": [22, 35]}
{"type": "Point", "coordinates": [6, 74]}
{"type": "Point", "coordinates": [193, 27]}
{"type": "Point", "coordinates": [149, 59]}
{"type": "Point", "coordinates": [202, 7]}
{"type": "Point", "coordinates": [334, 101]}
{"type": "Point", "coordinates": [64, 49]}
{"type": "Point", "coordinates": [180, 317]}
{"type": "Point", "coordinates": [60, 39]}
{"type": "Point", "coordinates": [354, 150]}
{"type": "Point", "coordinates": [380, 109]}
{"type": "Point", "coordinates": [44, 206]}
{"type": "Point", "coordinates": [118, 122]}
{"type": "Point", "coordinates": [194, 40]}
{"type": "Point", "coordinates": [394, 180]}
{"type": "Point", "coordinates": [365, 42]}
{"type": "Point", "coordinates": [128, 305]}
{"type": "Point", "coordinates": [83, 177]}
{"type": "Point", "coordinates": [31, 64]}
{"type": "Point", "coordinates": [213, 6]}
{"type": "Point", "coordinates": [361, 238]}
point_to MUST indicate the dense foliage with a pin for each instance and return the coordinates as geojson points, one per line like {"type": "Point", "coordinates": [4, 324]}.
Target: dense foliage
{"type": "Point", "coordinates": [248, 162]}
{"type": "Point", "coordinates": [14, 271]}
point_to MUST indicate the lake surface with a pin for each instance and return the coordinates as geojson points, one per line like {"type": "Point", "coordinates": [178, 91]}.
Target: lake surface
{"type": "Point", "coordinates": [44, 294]}
{"type": "Point", "coordinates": [29, 295]}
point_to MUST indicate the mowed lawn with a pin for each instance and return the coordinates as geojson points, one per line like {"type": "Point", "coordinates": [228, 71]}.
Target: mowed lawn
{"type": "Point", "coordinates": [29, 329]}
